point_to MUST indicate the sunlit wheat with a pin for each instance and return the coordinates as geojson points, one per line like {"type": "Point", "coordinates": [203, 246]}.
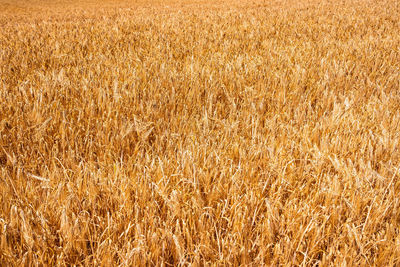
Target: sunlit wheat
{"type": "Point", "coordinates": [199, 132]}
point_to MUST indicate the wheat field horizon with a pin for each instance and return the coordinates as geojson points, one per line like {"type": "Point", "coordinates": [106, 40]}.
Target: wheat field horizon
{"type": "Point", "coordinates": [178, 132]}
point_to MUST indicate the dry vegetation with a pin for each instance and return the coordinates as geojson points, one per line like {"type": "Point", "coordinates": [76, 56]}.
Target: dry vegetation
{"type": "Point", "coordinates": [201, 132]}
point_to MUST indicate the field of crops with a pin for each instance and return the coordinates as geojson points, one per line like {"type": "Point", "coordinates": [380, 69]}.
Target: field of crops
{"type": "Point", "coordinates": [200, 132]}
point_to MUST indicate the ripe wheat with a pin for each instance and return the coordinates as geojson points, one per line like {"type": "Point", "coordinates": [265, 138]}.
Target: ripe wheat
{"type": "Point", "coordinates": [200, 132]}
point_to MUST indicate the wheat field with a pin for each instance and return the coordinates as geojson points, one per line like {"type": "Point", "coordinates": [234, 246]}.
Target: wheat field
{"type": "Point", "coordinates": [204, 133]}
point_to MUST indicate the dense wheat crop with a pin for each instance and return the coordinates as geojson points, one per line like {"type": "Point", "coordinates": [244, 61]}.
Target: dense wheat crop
{"type": "Point", "coordinates": [200, 132]}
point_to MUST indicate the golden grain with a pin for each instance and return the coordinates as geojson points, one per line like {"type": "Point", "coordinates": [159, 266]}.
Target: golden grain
{"type": "Point", "coordinates": [200, 132]}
